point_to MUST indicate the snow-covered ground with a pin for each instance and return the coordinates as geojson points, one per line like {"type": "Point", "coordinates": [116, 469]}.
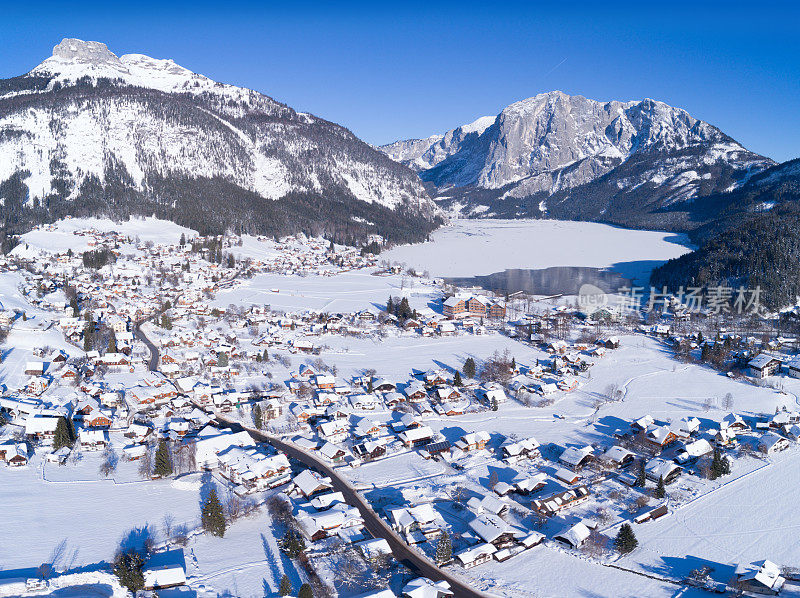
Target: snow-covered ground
{"type": "Point", "coordinates": [59, 236]}
{"type": "Point", "coordinates": [479, 247]}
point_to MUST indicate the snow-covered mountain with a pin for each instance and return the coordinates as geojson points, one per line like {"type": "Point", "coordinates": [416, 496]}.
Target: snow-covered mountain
{"type": "Point", "coordinates": [574, 157]}
{"type": "Point", "coordinates": [87, 129]}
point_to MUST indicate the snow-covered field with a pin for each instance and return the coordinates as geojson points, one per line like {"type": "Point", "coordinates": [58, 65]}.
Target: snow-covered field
{"type": "Point", "coordinates": [479, 247]}
{"type": "Point", "coordinates": [59, 236]}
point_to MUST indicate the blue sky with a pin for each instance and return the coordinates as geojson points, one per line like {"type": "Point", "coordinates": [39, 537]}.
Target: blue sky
{"type": "Point", "coordinates": [390, 71]}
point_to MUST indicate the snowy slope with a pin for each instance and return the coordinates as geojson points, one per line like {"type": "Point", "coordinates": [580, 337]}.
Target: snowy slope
{"type": "Point", "coordinates": [551, 144]}
{"type": "Point", "coordinates": [133, 122]}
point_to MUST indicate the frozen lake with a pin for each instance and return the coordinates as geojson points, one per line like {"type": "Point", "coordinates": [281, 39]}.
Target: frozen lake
{"type": "Point", "coordinates": [482, 247]}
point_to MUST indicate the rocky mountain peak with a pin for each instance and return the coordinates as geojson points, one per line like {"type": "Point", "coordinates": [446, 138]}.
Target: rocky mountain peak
{"type": "Point", "coordinates": [77, 50]}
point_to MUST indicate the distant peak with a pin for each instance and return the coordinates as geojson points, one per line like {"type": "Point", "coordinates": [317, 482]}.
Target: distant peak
{"type": "Point", "coordinates": [77, 50]}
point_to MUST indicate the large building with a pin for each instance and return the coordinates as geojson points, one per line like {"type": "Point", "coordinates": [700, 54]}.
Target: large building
{"type": "Point", "coordinates": [460, 306]}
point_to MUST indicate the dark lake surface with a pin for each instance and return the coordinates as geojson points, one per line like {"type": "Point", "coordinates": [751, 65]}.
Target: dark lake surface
{"type": "Point", "coordinates": [566, 280]}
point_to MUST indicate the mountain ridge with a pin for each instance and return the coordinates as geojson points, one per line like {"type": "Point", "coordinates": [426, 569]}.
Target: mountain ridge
{"type": "Point", "coordinates": [572, 157]}
{"type": "Point", "coordinates": [86, 127]}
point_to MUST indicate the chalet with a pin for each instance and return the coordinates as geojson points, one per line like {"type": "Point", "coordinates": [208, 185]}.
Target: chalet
{"type": "Point", "coordinates": [416, 436]}
{"type": "Point", "coordinates": [576, 457]}
{"type": "Point", "coordinates": [658, 468]}
{"type": "Point", "coordinates": [693, 451]}
{"type": "Point", "coordinates": [422, 587]}
{"type": "Point", "coordinates": [772, 442]}
{"type": "Point", "coordinates": [763, 365]}
{"type": "Point", "coordinates": [416, 392]}
{"type": "Point", "coordinates": [725, 437]}
{"type": "Point", "coordinates": [333, 431]}
{"type": "Point", "coordinates": [660, 437]}
{"type": "Point", "coordinates": [493, 530]}
{"type": "Point", "coordinates": [555, 503]}
{"type": "Point", "coordinates": [93, 440]}
{"type": "Point", "coordinates": [34, 368]}
{"type": "Point", "coordinates": [487, 504]}
{"type": "Point", "coordinates": [652, 514]}
{"type": "Point", "coordinates": [435, 378]}
{"type": "Point", "coordinates": [434, 449]}
{"type": "Point", "coordinates": [734, 422]}
{"type": "Point", "coordinates": [308, 483]}
{"type": "Point", "coordinates": [383, 385]}
{"type": "Point", "coordinates": [574, 536]}
{"type": "Point", "coordinates": [14, 455]}
{"type": "Point", "coordinates": [474, 441]}
{"type": "Point", "coordinates": [165, 570]}
{"type": "Point", "coordinates": [688, 426]}
{"type": "Point", "coordinates": [366, 428]}
{"type": "Point", "coordinates": [422, 517]}
{"type": "Point", "coordinates": [371, 449]}
{"type": "Point", "coordinates": [325, 382]}
{"type": "Point", "coordinates": [332, 452]}
{"type": "Point", "coordinates": [97, 419]}
{"type": "Point", "coordinates": [447, 393]}
{"type": "Point", "coordinates": [531, 484]}
{"type": "Point", "coordinates": [642, 424]}
{"type": "Point", "coordinates": [476, 555]}
{"type": "Point", "coordinates": [568, 476]}
{"type": "Point", "coordinates": [516, 450]}
{"type": "Point", "coordinates": [40, 428]}
{"type": "Point", "coordinates": [762, 577]}
{"type": "Point", "coordinates": [618, 457]}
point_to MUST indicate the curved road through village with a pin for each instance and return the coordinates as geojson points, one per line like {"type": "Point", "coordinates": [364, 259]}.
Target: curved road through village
{"type": "Point", "coordinates": [376, 526]}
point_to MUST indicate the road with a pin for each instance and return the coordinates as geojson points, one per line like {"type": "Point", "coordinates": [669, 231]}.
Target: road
{"type": "Point", "coordinates": [152, 363]}
{"type": "Point", "coordinates": [376, 526]}
{"type": "Point", "coordinates": [413, 560]}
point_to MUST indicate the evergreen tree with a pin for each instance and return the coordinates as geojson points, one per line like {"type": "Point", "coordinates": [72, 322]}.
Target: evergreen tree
{"type": "Point", "coordinates": [183, 239]}
{"type": "Point", "coordinates": [286, 586]}
{"type": "Point", "coordinates": [457, 379]}
{"type": "Point", "coordinates": [370, 388]}
{"type": "Point", "coordinates": [495, 405]}
{"type": "Point", "coordinates": [305, 591]}
{"type": "Point", "coordinates": [222, 359]}
{"type": "Point", "coordinates": [641, 476]}
{"type": "Point", "coordinates": [513, 364]}
{"type": "Point", "coordinates": [661, 489]}
{"type": "Point", "coordinates": [211, 515]}
{"type": "Point", "coordinates": [166, 322]}
{"type": "Point", "coordinates": [112, 344]}
{"type": "Point", "coordinates": [700, 338]}
{"type": "Point", "coordinates": [444, 549]}
{"type": "Point", "coordinates": [469, 367]}
{"type": "Point", "coordinates": [61, 438]}
{"type": "Point", "coordinates": [704, 353]}
{"type": "Point", "coordinates": [719, 465]}
{"type": "Point", "coordinates": [128, 569]}
{"type": "Point", "coordinates": [265, 356]}
{"type": "Point", "coordinates": [163, 466]}
{"type": "Point", "coordinates": [626, 540]}
{"type": "Point", "coordinates": [258, 416]}
{"type": "Point", "coordinates": [293, 544]}
{"type": "Point", "coordinates": [390, 306]}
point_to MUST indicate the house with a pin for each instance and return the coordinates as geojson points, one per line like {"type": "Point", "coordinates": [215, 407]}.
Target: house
{"type": "Point", "coordinates": [693, 451]}
{"type": "Point", "coordinates": [516, 450]}
{"type": "Point", "coordinates": [422, 517]}
{"type": "Point", "coordinates": [40, 428]}
{"type": "Point", "coordinates": [474, 441]}
{"type": "Point", "coordinates": [487, 504]}
{"type": "Point", "coordinates": [165, 570]}
{"type": "Point", "coordinates": [763, 365]}
{"type": "Point", "coordinates": [333, 431]}
{"type": "Point", "coordinates": [735, 422]}
{"type": "Point", "coordinates": [559, 501]}
{"type": "Point", "coordinates": [93, 440]}
{"type": "Point", "coordinates": [416, 436]}
{"type": "Point", "coordinates": [493, 530]}
{"type": "Point", "coordinates": [14, 455]}
{"type": "Point", "coordinates": [618, 457]}
{"type": "Point", "coordinates": [760, 577]}
{"type": "Point", "coordinates": [416, 392]}
{"type": "Point", "coordinates": [660, 437]}
{"type": "Point", "coordinates": [531, 484]}
{"type": "Point", "coordinates": [476, 555]}
{"type": "Point", "coordinates": [576, 457]}
{"type": "Point", "coordinates": [34, 368]}
{"type": "Point", "coordinates": [658, 468]}
{"type": "Point", "coordinates": [309, 483]}
{"type": "Point", "coordinates": [332, 452]}
{"type": "Point", "coordinates": [422, 587]}
{"type": "Point", "coordinates": [772, 442]}
{"type": "Point", "coordinates": [371, 449]}
{"type": "Point", "coordinates": [434, 449]}
{"type": "Point", "coordinates": [574, 536]}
